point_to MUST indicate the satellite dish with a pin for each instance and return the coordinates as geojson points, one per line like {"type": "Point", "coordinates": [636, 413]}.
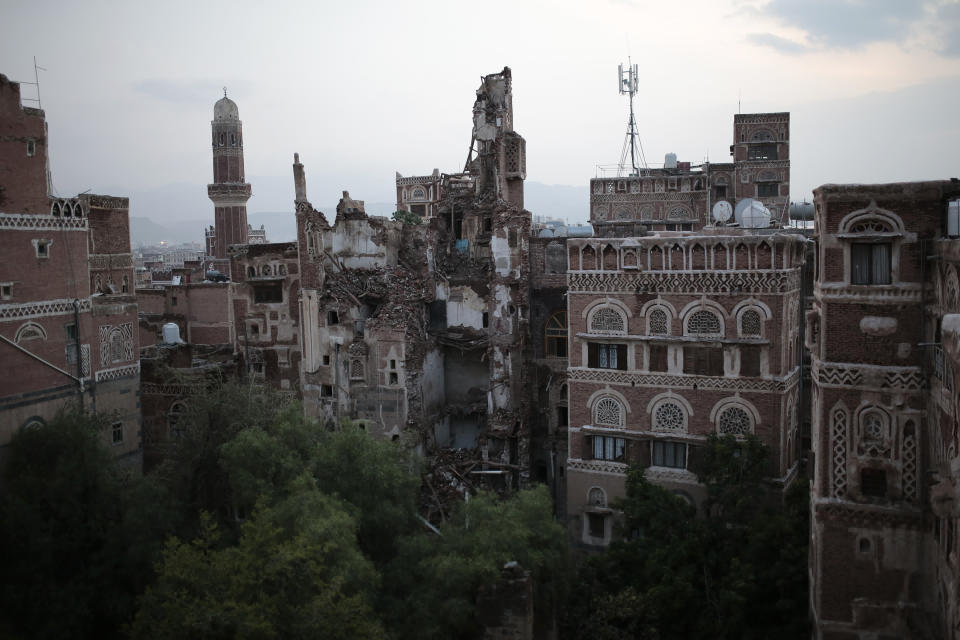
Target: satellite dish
{"type": "Point", "coordinates": [742, 206]}
{"type": "Point", "coordinates": [756, 216]}
{"type": "Point", "coordinates": [722, 211]}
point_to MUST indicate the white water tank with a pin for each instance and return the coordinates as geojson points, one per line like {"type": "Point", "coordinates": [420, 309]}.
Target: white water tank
{"type": "Point", "coordinates": [953, 219]}
{"type": "Point", "coordinates": [670, 161]}
{"type": "Point", "coordinates": [171, 333]}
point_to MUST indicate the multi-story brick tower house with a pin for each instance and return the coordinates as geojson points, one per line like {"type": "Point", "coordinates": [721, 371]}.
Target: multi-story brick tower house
{"type": "Point", "coordinates": [680, 197]}
{"type": "Point", "coordinates": [884, 338]}
{"type": "Point", "coordinates": [229, 192]}
{"type": "Point", "coordinates": [675, 336]}
{"type": "Point", "coordinates": [67, 310]}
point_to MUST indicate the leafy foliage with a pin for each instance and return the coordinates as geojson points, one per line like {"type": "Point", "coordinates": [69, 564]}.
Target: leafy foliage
{"type": "Point", "coordinates": [743, 561]}
{"type": "Point", "coordinates": [260, 523]}
{"type": "Point", "coordinates": [78, 535]}
{"type": "Point", "coordinates": [435, 579]}
{"type": "Point", "coordinates": [407, 217]}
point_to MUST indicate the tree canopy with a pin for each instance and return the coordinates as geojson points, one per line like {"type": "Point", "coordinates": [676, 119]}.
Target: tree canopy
{"type": "Point", "coordinates": [736, 570]}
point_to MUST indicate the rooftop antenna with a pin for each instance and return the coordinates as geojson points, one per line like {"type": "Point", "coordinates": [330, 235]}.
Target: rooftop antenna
{"type": "Point", "coordinates": [224, 92]}
{"type": "Point", "coordinates": [628, 82]}
{"type": "Point", "coordinates": [35, 83]}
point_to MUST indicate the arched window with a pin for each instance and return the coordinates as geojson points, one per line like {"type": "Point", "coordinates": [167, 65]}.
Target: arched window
{"type": "Point", "coordinates": [669, 417]}
{"type": "Point", "coordinates": [607, 320]}
{"type": "Point", "coordinates": [678, 213]}
{"type": "Point", "coordinates": [658, 322]}
{"type": "Point", "coordinates": [419, 194]}
{"type": "Point", "coordinates": [251, 272]}
{"type": "Point", "coordinates": [597, 497]}
{"type": "Point", "coordinates": [30, 331]}
{"type": "Point", "coordinates": [556, 335]}
{"type": "Point", "coordinates": [55, 209]}
{"type": "Point", "coordinates": [233, 140]}
{"type": "Point", "coordinates": [118, 351]}
{"type": "Point", "coordinates": [356, 369]}
{"type": "Point", "coordinates": [175, 423]}
{"type": "Point", "coordinates": [125, 286]}
{"type": "Point", "coordinates": [750, 323]}
{"type": "Point", "coordinates": [265, 270]}
{"type": "Point", "coordinates": [703, 322]}
{"type": "Point", "coordinates": [734, 421]}
{"type": "Point", "coordinates": [608, 412]}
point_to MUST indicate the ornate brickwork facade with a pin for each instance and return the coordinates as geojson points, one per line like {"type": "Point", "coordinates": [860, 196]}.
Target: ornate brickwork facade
{"type": "Point", "coordinates": [675, 336]}
{"type": "Point", "coordinates": [884, 436]}
{"type": "Point", "coordinates": [66, 291]}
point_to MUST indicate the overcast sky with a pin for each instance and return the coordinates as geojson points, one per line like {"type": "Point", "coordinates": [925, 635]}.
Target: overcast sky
{"type": "Point", "coordinates": [365, 88]}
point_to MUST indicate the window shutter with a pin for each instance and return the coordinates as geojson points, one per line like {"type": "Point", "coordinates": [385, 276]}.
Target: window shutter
{"type": "Point", "coordinates": [621, 357]}
{"type": "Point", "coordinates": [592, 358]}
{"type": "Point", "coordinates": [881, 264]}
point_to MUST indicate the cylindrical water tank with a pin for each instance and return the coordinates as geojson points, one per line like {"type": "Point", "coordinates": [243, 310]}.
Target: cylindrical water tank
{"type": "Point", "coordinates": [171, 333]}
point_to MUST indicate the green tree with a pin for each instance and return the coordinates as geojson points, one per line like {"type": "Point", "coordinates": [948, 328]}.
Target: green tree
{"type": "Point", "coordinates": [434, 582]}
{"type": "Point", "coordinates": [737, 570]}
{"type": "Point", "coordinates": [407, 217]}
{"type": "Point", "coordinates": [78, 535]}
{"type": "Point", "coordinates": [295, 573]}
{"type": "Point", "coordinates": [194, 471]}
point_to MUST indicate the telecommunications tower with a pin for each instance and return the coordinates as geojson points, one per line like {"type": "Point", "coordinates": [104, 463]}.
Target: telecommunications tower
{"type": "Point", "coordinates": [632, 148]}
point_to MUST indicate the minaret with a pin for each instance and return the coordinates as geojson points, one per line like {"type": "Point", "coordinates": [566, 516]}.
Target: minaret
{"type": "Point", "coordinates": [229, 192]}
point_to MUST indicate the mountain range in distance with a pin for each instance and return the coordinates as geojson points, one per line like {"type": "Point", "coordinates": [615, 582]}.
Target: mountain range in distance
{"type": "Point", "coordinates": [150, 220]}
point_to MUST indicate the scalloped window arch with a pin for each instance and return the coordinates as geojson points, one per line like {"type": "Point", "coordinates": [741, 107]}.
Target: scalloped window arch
{"type": "Point", "coordinates": [418, 194]}
{"type": "Point", "coordinates": [735, 421]}
{"type": "Point", "coordinates": [669, 417]}
{"type": "Point", "coordinates": [30, 331]}
{"type": "Point", "coordinates": [704, 323]}
{"type": "Point", "coordinates": [659, 322]}
{"type": "Point", "coordinates": [607, 320]}
{"type": "Point", "coordinates": [608, 412]}
{"type": "Point", "coordinates": [750, 323]}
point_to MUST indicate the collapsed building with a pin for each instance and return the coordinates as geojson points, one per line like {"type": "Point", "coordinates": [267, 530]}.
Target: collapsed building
{"type": "Point", "coordinates": [424, 327]}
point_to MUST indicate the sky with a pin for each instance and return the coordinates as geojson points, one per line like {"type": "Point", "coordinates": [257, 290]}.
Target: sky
{"type": "Point", "coordinates": [365, 88]}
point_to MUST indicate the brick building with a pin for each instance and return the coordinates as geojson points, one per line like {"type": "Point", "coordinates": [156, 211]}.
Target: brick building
{"type": "Point", "coordinates": [673, 337]}
{"type": "Point", "coordinates": [884, 338]}
{"type": "Point", "coordinates": [680, 197]}
{"type": "Point", "coordinates": [265, 297]}
{"type": "Point", "coordinates": [67, 311]}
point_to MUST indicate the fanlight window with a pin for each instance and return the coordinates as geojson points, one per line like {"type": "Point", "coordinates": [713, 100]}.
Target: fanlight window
{"type": "Point", "coordinates": [750, 323]}
{"type": "Point", "coordinates": [734, 421]}
{"type": "Point", "coordinates": [872, 427]}
{"type": "Point", "coordinates": [607, 320]}
{"type": "Point", "coordinates": [669, 417]}
{"type": "Point", "coordinates": [703, 323]}
{"type": "Point", "coordinates": [418, 194]}
{"type": "Point", "coordinates": [608, 412]}
{"type": "Point", "coordinates": [658, 322]}
{"type": "Point", "coordinates": [597, 498]}
{"type": "Point", "coordinates": [678, 213]}
{"type": "Point", "coordinates": [870, 226]}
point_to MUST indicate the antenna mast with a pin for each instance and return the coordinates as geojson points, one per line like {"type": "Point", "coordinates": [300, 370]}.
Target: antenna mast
{"type": "Point", "coordinates": [628, 82]}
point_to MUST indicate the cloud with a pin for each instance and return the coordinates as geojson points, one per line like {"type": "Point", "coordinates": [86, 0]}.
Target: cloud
{"type": "Point", "coordinates": [782, 45]}
{"type": "Point", "coordinates": [848, 24]}
{"type": "Point", "coordinates": [947, 18]}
